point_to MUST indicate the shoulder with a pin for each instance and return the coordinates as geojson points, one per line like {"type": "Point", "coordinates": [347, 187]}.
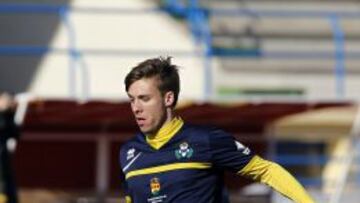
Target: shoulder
{"type": "Point", "coordinates": [131, 143]}
{"type": "Point", "coordinates": [128, 148]}
{"type": "Point", "coordinates": [206, 132]}
{"type": "Point", "coordinates": [203, 130]}
{"type": "Point", "coordinates": [215, 138]}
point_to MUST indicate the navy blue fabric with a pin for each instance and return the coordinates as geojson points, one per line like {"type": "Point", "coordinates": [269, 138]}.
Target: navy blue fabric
{"type": "Point", "coordinates": [205, 145]}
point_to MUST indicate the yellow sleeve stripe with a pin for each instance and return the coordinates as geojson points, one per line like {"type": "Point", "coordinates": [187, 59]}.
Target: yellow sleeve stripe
{"type": "Point", "coordinates": [3, 198]}
{"type": "Point", "coordinates": [252, 168]}
{"type": "Point", "coordinates": [168, 167]}
{"type": "Point", "coordinates": [128, 199]}
{"type": "Point", "coordinates": [277, 177]}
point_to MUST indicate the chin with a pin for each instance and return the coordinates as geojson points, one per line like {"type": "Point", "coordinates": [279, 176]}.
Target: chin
{"type": "Point", "coordinates": [148, 131]}
{"type": "Point", "coordinates": [145, 131]}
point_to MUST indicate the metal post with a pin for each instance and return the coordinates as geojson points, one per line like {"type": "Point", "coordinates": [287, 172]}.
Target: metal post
{"type": "Point", "coordinates": [75, 59]}
{"type": "Point", "coordinates": [85, 78]}
{"type": "Point", "coordinates": [102, 167]}
{"type": "Point", "coordinates": [339, 69]}
{"type": "Point", "coordinates": [202, 33]}
{"type": "Point", "coordinates": [64, 14]}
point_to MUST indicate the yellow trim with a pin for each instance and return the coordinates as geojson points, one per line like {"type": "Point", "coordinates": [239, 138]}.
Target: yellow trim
{"type": "Point", "coordinates": [277, 177]}
{"type": "Point", "coordinates": [250, 167]}
{"type": "Point", "coordinates": [168, 167]}
{"type": "Point", "coordinates": [128, 199]}
{"type": "Point", "coordinates": [165, 133]}
{"type": "Point", "coordinates": [3, 198]}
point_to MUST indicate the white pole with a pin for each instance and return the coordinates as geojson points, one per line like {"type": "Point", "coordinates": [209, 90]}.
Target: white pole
{"type": "Point", "coordinates": [354, 138]}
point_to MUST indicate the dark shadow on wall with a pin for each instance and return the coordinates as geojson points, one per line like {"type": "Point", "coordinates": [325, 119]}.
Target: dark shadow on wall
{"type": "Point", "coordinates": [24, 29]}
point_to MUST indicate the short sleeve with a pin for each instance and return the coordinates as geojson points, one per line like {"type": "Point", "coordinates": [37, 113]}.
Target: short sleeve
{"type": "Point", "coordinates": [228, 153]}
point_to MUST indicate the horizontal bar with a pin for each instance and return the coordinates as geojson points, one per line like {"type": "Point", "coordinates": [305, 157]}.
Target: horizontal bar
{"type": "Point", "coordinates": [31, 8]}
{"type": "Point", "coordinates": [283, 13]}
{"type": "Point", "coordinates": [48, 9]}
{"type": "Point", "coordinates": [308, 55]}
{"type": "Point", "coordinates": [316, 181]}
{"type": "Point", "coordinates": [116, 10]}
{"type": "Point", "coordinates": [54, 9]}
{"type": "Point", "coordinates": [42, 50]}
{"type": "Point", "coordinates": [236, 52]}
{"type": "Point", "coordinates": [11, 50]}
{"type": "Point", "coordinates": [303, 160]}
{"type": "Point", "coordinates": [258, 53]}
{"type": "Point", "coordinates": [27, 50]}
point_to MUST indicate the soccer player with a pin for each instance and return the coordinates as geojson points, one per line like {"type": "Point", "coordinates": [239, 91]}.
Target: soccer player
{"type": "Point", "coordinates": [170, 160]}
{"type": "Point", "coordinates": [8, 132]}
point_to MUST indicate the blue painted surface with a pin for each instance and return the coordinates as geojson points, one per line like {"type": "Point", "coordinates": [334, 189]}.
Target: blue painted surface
{"type": "Point", "coordinates": [339, 69]}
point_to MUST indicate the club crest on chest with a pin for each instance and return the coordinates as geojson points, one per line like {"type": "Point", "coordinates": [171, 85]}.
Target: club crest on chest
{"type": "Point", "coordinates": [184, 151]}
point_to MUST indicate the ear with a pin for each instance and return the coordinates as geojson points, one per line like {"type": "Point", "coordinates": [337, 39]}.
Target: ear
{"type": "Point", "coordinates": [169, 99]}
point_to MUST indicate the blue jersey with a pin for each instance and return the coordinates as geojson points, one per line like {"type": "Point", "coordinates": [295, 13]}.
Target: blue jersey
{"type": "Point", "coordinates": [189, 168]}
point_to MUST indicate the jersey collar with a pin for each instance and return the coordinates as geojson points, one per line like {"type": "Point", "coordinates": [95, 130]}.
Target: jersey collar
{"type": "Point", "coordinates": [165, 133]}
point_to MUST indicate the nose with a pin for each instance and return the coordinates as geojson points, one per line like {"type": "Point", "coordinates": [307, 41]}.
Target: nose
{"type": "Point", "coordinates": [136, 107]}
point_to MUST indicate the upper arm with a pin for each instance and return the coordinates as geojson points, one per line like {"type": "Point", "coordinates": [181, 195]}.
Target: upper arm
{"type": "Point", "coordinates": [227, 152]}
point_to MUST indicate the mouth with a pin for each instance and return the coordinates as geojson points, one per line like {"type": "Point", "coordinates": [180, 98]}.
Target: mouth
{"type": "Point", "coordinates": [140, 121]}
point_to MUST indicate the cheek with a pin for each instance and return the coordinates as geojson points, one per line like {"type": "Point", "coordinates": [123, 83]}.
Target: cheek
{"type": "Point", "coordinates": [156, 110]}
{"type": "Point", "coordinates": [132, 107]}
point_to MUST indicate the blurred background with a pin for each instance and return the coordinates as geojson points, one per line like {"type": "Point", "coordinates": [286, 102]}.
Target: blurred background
{"type": "Point", "coordinates": [282, 75]}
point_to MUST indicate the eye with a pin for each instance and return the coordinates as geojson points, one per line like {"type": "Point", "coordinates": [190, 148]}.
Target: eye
{"type": "Point", "coordinates": [131, 99]}
{"type": "Point", "coordinates": [146, 98]}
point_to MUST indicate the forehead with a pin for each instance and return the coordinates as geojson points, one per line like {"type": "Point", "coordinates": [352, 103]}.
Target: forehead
{"type": "Point", "coordinates": [144, 86]}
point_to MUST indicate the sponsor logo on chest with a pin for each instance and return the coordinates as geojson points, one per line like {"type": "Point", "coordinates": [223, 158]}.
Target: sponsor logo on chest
{"type": "Point", "coordinates": [155, 189]}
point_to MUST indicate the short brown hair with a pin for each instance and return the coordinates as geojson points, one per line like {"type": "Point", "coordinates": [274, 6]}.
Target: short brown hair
{"type": "Point", "coordinates": [157, 67]}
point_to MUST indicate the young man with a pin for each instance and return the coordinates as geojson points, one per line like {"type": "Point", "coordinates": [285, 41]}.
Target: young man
{"type": "Point", "coordinates": [172, 161]}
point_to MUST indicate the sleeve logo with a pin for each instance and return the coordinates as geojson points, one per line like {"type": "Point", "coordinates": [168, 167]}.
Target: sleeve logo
{"type": "Point", "coordinates": [130, 154]}
{"type": "Point", "coordinates": [242, 148]}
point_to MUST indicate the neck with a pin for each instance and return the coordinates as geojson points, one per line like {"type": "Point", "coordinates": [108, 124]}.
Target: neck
{"type": "Point", "coordinates": [170, 115]}
{"type": "Point", "coordinates": [165, 133]}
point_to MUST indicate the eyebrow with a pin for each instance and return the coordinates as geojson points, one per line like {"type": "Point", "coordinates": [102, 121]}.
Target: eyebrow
{"type": "Point", "coordinates": [144, 96]}
{"type": "Point", "coordinates": [139, 96]}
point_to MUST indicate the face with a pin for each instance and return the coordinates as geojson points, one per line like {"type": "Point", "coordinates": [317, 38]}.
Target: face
{"type": "Point", "coordinates": [148, 105]}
